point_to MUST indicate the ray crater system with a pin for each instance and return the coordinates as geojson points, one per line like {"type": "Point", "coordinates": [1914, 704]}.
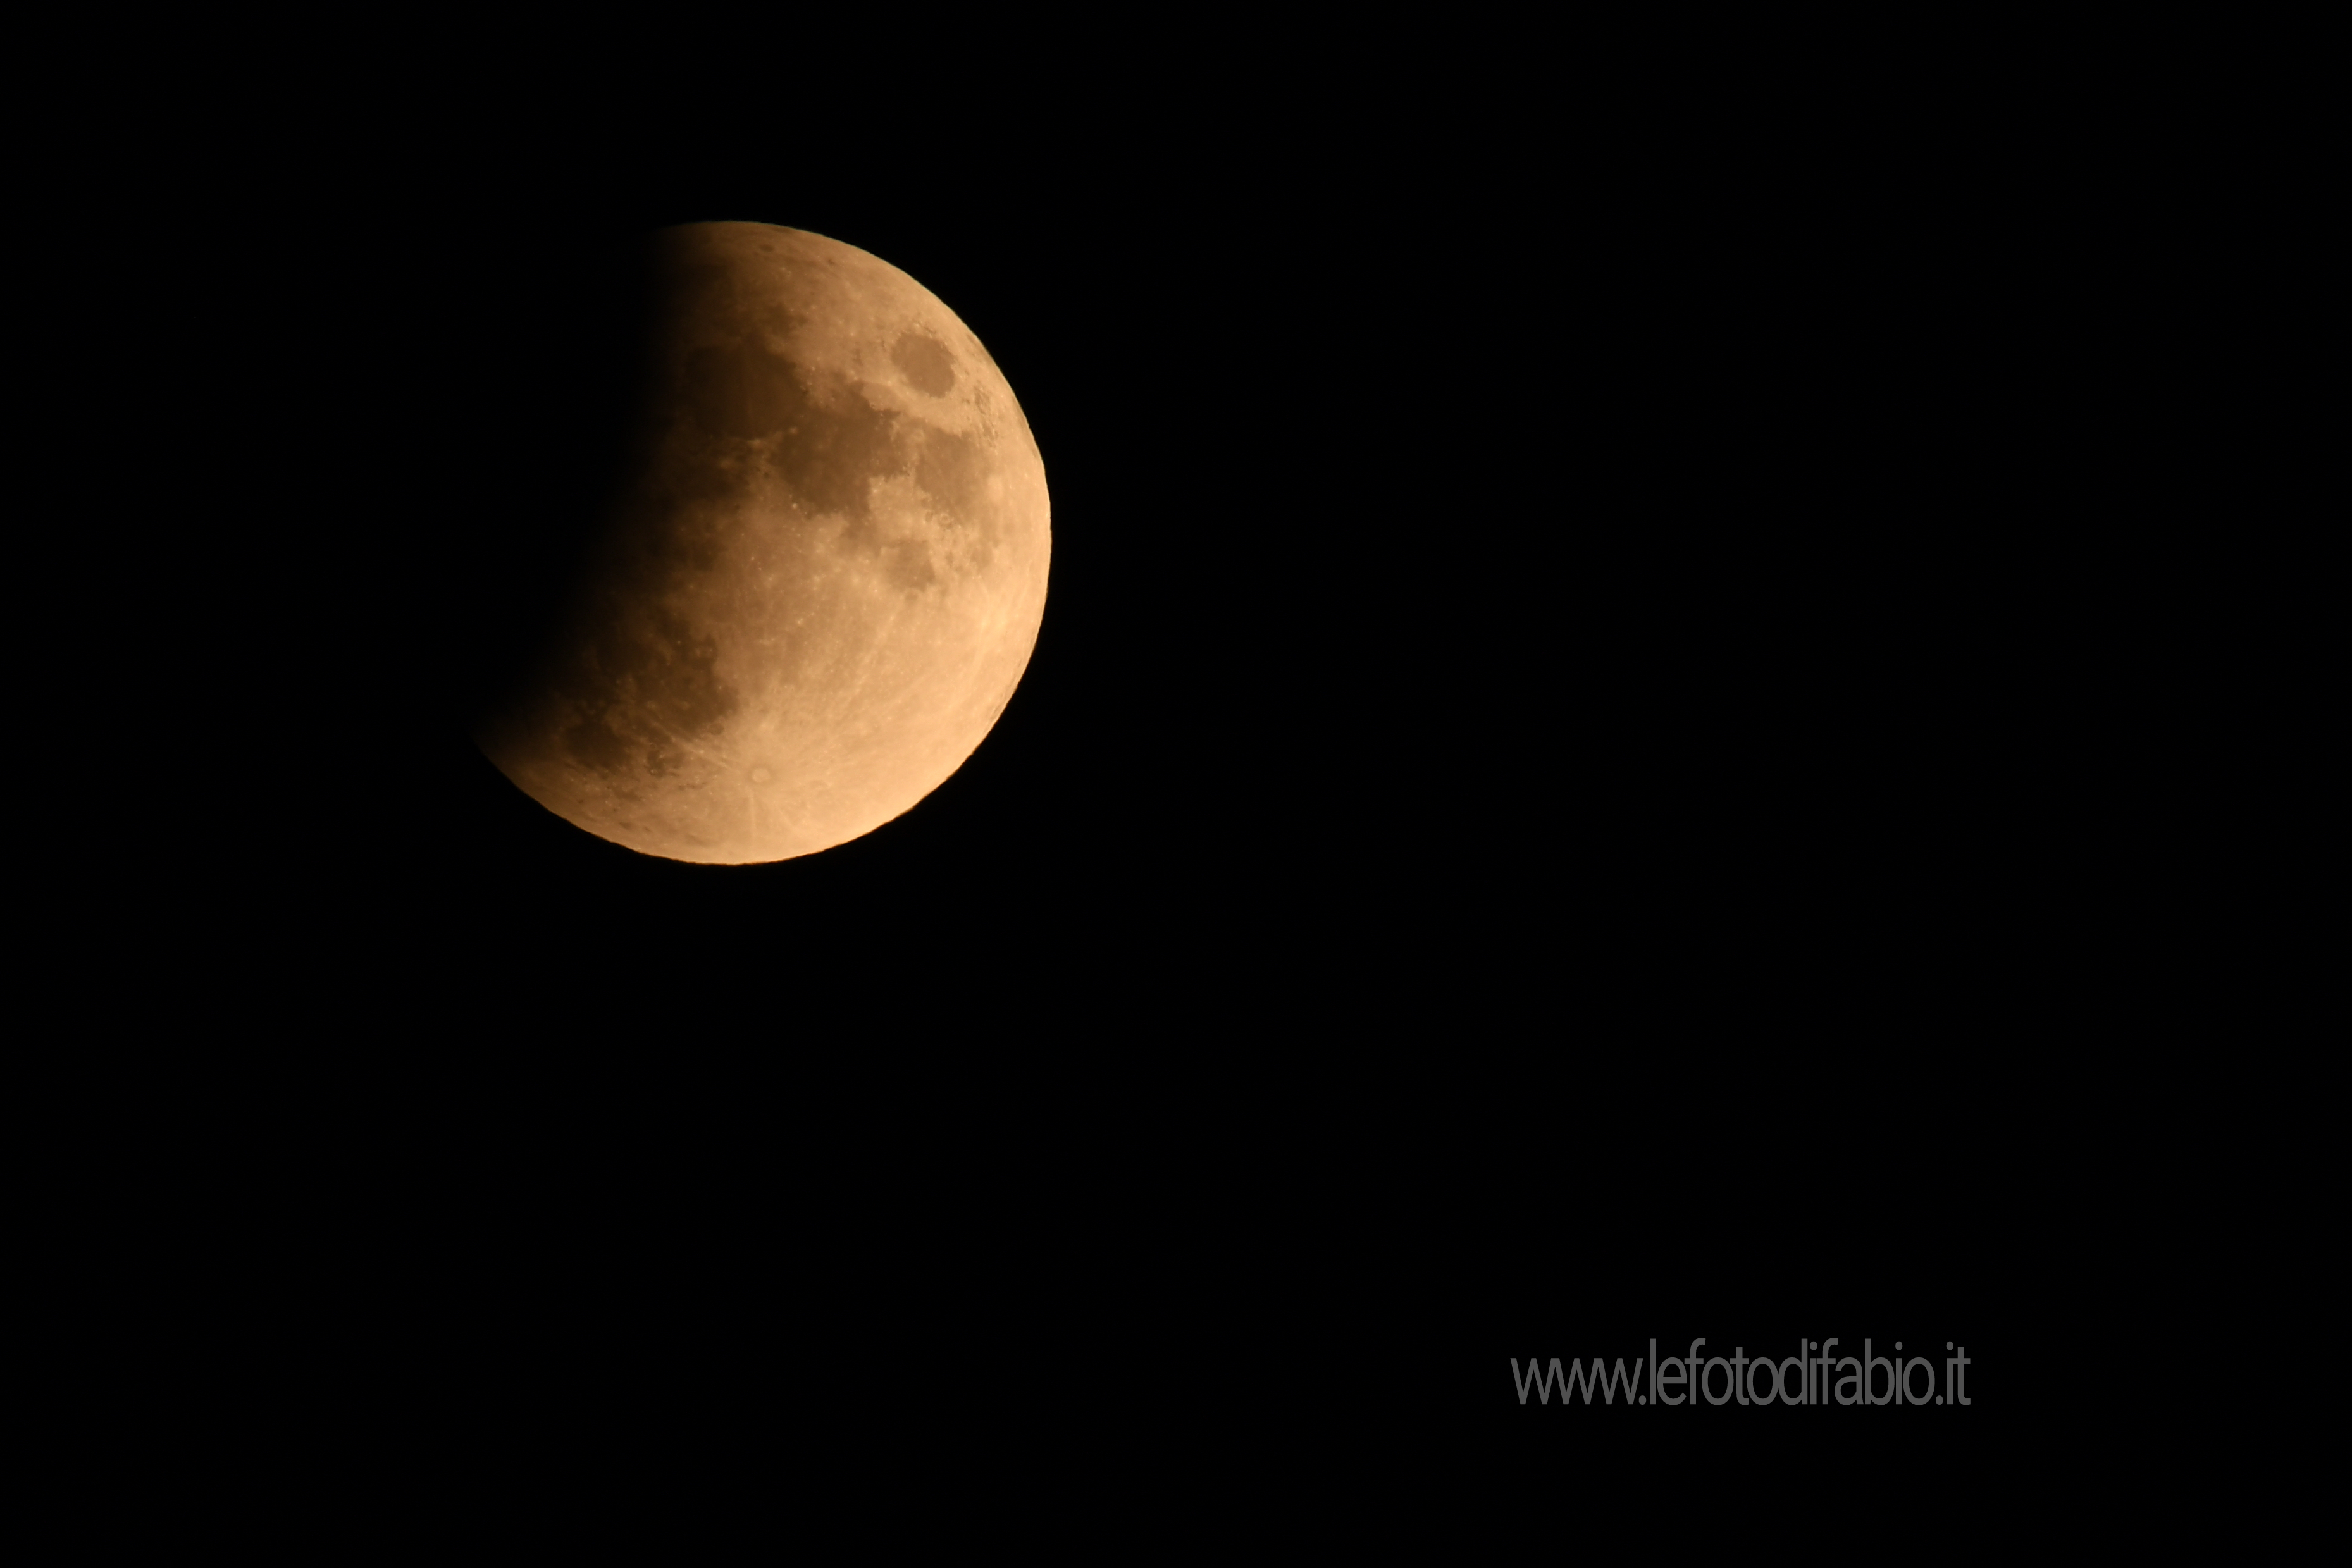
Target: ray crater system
{"type": "Point", "coordinates": [818, 578]}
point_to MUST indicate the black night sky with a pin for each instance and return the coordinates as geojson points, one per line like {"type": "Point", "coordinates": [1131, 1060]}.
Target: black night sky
{"type": "Point", "coordinates": [1533, 696]}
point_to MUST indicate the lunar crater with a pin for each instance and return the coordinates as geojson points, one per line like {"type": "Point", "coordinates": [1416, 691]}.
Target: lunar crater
{"type": "Point", "coordinates": [926, 362]}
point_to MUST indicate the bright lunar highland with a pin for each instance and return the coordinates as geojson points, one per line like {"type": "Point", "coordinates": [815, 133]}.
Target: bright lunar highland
{"type": "Point", "coordinates": [821, 583]}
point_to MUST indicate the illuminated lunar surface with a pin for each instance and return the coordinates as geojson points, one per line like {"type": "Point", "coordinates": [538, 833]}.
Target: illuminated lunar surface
{"type": "Point", "coordinates": [821, 584]}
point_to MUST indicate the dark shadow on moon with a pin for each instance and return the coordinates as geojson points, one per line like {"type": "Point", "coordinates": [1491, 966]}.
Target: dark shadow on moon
{"type": "Point", "coordinates": [625, 483]}
{"type": "Point", "coordinates": [643, 679]}
{"type": "Point", "coordinates": [541, 420]}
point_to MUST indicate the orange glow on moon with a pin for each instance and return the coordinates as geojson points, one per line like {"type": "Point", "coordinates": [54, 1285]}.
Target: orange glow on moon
{"type": "Point", "coordinates": [823, 581]}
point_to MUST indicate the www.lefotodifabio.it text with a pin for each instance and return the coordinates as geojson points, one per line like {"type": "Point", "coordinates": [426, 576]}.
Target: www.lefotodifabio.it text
{"type": "Point", "coordinates": [1813, 1377]}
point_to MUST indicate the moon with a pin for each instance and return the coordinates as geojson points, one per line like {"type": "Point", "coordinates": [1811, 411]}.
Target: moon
{"type": "Point", "coordinates": [817, 584]}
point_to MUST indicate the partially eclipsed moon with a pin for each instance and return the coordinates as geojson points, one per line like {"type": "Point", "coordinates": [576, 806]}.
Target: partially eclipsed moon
{"type": "Point", "coordinates": [823, 581]}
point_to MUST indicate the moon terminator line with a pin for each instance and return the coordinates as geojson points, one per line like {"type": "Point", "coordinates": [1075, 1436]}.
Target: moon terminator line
{"type": "Point", "coordinates": [823, 581]}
